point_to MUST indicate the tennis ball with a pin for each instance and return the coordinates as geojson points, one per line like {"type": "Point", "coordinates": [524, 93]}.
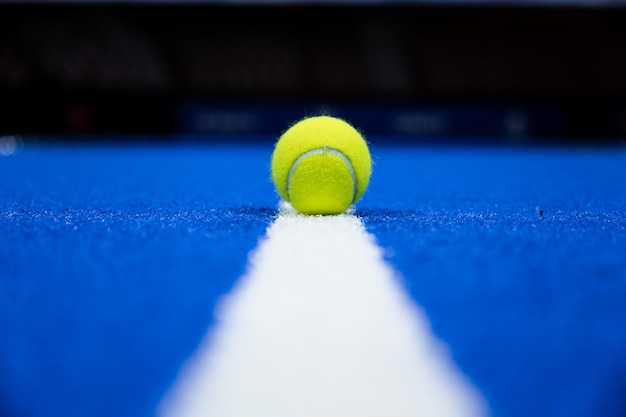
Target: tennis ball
{"type": "Point", "coordinates": [321, 165]}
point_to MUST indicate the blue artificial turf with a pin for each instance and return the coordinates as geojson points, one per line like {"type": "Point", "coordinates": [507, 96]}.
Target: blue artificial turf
{"type": "Point", "coordinates": [519, 259]}
{"type": "Point", "coordinates": [112, 258]}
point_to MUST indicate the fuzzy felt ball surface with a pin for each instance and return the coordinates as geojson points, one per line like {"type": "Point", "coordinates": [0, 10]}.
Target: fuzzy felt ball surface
{"type": "Point", "coordinates": [321, 165]}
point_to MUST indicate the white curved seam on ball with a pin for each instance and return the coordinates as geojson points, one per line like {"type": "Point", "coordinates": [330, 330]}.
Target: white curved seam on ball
{"type": "Point", "coordinates": [319, 151]}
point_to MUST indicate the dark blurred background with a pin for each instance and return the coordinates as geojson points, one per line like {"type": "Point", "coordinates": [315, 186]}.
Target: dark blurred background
{"type": "Point", "coordinates": [539, 71]}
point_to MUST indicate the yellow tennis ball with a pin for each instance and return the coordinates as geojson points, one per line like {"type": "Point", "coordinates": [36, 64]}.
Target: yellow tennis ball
{"type": "Point", "coordinates": [321, 165]}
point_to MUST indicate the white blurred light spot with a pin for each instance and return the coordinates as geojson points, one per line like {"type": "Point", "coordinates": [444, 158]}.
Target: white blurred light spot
{"type": "Point", "coordinates": [320, 325]}
{"type": "Point", "coordinates": [10, 145]}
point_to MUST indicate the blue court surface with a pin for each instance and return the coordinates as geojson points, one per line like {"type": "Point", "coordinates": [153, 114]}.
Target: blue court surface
{"type": "Point", "coordinates": [113, 259]}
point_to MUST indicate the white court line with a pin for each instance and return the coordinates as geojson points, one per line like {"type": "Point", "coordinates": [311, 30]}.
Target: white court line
{"type": "Point", "coordinates": [320, 326]}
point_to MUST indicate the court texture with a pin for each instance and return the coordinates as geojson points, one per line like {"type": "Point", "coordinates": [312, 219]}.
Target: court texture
{"type": "Point", "coordinates": [150, 279]}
